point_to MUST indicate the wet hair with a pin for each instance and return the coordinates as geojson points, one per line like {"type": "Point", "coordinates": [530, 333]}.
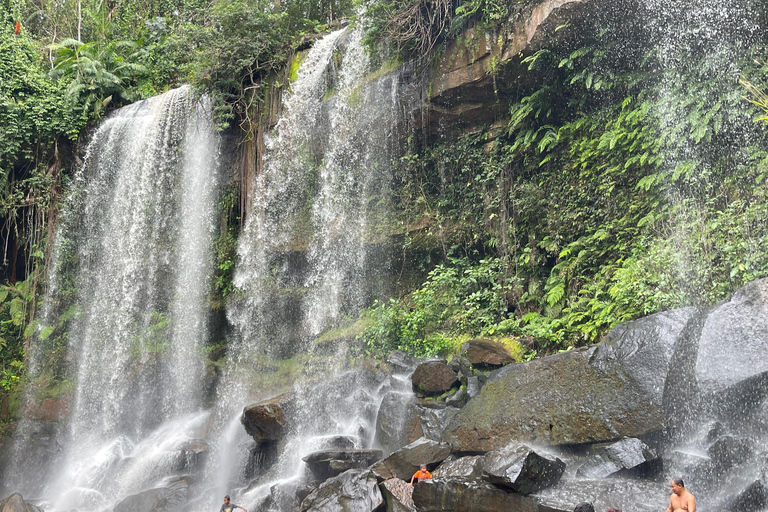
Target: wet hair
{"type": "Point", "coordinates": [678, 481]}
{"type": "Point", "coordinates": [584, 507]}
{"type": "Point", "coordinates": [226, 497]}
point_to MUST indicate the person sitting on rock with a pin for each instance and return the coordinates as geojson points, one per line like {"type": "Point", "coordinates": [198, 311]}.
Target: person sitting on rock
{"type": "Point", "coordinates": [421, 474]}
{"type": "Point", "coordinates": [229, 507]}
{"type": "Point", "coordinates": [584, 507]}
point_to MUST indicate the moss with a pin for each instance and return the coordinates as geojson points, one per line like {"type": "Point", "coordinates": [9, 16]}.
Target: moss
{"type": "Point", "coordinates": [293, 72]}
{"type": "Point", "coordinates": [349, 331]}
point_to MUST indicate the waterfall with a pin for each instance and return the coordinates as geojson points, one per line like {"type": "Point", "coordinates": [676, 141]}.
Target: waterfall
{"type": "Point", "coordinates": [308, 251]}
{"type": "Point", "coordinates": [137, 235]}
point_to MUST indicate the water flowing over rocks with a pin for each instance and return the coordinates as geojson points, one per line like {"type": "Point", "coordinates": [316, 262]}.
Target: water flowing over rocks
{"type": "Point", "coordinates": [521, 469]}
{"type": "Point", "coordinates": [327, 464]}
{"type": "Point", "coordinates": [355, 489]}
{"type": "Point", "coordinates": [628, 457]}
{"type": "Point", "coordinates": [168, 499]}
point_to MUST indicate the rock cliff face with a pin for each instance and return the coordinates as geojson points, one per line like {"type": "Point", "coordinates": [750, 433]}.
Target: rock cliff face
{"type": "Point", "coordinates": [472, 81]}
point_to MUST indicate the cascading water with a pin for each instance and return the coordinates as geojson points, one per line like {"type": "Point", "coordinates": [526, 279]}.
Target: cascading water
{"type": "Point", "coordinates": [137, 234]}
{"type": "Point", "coordinates": [306, 252]}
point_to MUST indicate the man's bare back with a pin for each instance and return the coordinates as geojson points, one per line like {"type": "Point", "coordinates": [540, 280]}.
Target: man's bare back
{"type": "Point", "coordinates": [680, 500]}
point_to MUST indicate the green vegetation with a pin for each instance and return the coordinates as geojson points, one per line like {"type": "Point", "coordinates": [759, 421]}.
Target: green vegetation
{"type": "Point", "coordinates": [614, 193]}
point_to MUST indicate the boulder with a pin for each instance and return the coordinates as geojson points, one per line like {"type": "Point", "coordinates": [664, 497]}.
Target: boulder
{"type": "Point", "coordinates": [473, 386]}
{"type": "Point", "coordinates": [628, 495]}
{"type": "Point", "coordinates": [486, 354]}
{"type": "Point", "coordinates": [401, 362]}
{"type": "Point", "coordinates": [329, 463]}
{"type": "Point", "coordinates": [458, 399]}
{"type": "Point", "coordinates": [405, 462]}
{"type": "Point", "coordinates": [752, 499]}
{"type": "Point", "coordinates": [467, 496]}
{"type": "Point", "coordinates": [732, 345]}
{"type": "Point", "coordinates": [629, 457]}
{"type": "Point", "coordinates": [261, 457]}
{"type": "Point", "coordinates": [595, 394]}
{"type": "Point", "coordinates": [463, 468]}
{"type": "Point", "coordinates": [432, 420]}
{"type": "Point", "coordinates": [398, 495]}
{"type": "Point", "coordinates": [164, 499]}
{"type": "Point", "coordinates": [433, 378]}
{"type": "Point", "coordinates": [15, 503]}
{"type": "Point", "coordinates": [521, 469]}
{"type": "Point", "coordinates": [728, 452]}
{"type": "Point", "coordinates": [356, 489]}
{"type": "Point", "coordinates": [396, 420]}
{"type": "Point", "coordinates": [266, 421]}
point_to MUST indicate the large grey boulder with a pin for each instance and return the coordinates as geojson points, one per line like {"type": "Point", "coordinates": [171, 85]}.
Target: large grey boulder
{"type": "Point", "coordinates": [468, 496]}
{"type": "Point", "coordinates": [398, 495]}
{"type": "Point", "coordinates": [521, 469]}
{"type": "Point", "coordinates": [463, 468]}
{"type": "Point", "coordinates": [164, 499]}
{"type": "Point", "coordinates": [354, 490]}
{"type": "Point", "coordinates": [629, 495]}
{"type": "Point", "coordinates": [266, 420]}
{"type": "Point", "coordinates": [396, 420]}
{"type": "Point", "coordinates": [403, 463]}
{"type": "Point", "coordinates": [629, 457]}
{"type": "Point", "coordinates": [595, 394]}
{"type": "Point", "coordinates": [329, 463]}
{"type": "Point", "coordinates": [752, 499]}
{"type": "Point", "coordinates": [733, 346]}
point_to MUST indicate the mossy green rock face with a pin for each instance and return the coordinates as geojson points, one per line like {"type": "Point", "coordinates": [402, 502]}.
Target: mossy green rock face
{"type": "Point", "coordinates": [588, 395]}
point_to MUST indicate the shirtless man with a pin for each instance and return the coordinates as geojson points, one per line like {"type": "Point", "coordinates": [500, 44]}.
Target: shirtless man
{"type": "Point", "coordinates": [681, 500]}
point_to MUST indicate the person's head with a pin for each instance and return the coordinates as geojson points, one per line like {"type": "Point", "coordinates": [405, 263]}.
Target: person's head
{"type": "Point", "coordinates": [423, 467]}
{"type": "Point", "coordinates": [613, 510]}
{"type": "Point", "coordinates": [584, 507]}
{"type": "Point", "coordinates": [678, 487]}
{"type": "Point", "coordinates": [226, 499]}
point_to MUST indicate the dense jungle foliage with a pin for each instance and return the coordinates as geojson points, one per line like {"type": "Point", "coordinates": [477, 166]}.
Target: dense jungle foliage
{"type": "Point", "coordinates": [613, 190]}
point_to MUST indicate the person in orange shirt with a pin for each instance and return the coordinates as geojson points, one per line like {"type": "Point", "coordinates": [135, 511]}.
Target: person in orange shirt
{"type": "Point", "coordinates": [421, 474]}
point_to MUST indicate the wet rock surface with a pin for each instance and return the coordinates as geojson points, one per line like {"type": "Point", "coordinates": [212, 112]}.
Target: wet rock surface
{"type": "Point", "coordinates": [329, 463]}
{"type": "Point", "coordinates": [354, 490]}
{"type": "Point", "coordinates": [398, 495]}
{"type": "Point", "coordinates": [463, 468]}
{"type": "Point", "coordinates": [405, 462]}
{"type": "Point", "coordinates": [521, 469]}
{"type": "Point", "coordinates": [433, 378]}
{"type": "Point", "coordinates": [486, 354]}
{"type": "Point", "coordinates": [629, 457]}
{"type": "Point", "coordinates": [266, 421]}
{"type": "Point", "coordinates": [627, 495]}
{"type": "Point", "coordinates": [468, 496]}
{"type": "Point", "coordinates": [167, 499]}
{"type": "Point", "coordinates": [595, 394]}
